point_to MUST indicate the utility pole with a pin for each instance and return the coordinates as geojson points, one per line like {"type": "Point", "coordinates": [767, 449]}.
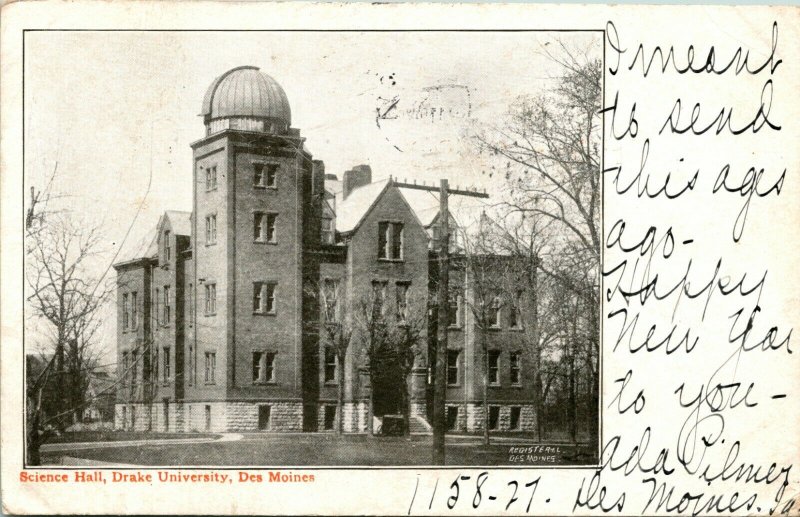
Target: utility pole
{"type": "Point", "coordinates": [440, 378]}
{"type": "Point", "coordinates": [443, 297]}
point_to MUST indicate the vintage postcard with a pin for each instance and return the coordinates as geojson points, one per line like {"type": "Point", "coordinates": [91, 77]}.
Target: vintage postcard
{"type": "Point", "coordinates": [400, 259]}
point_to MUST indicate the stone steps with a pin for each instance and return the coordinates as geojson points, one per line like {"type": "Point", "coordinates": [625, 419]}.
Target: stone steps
{"type": "Point", "coordinates": [418, 425]}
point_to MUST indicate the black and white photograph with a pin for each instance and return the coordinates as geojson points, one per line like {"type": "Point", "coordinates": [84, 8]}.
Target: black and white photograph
{"type": "Point", "coordinates": [312, 248]}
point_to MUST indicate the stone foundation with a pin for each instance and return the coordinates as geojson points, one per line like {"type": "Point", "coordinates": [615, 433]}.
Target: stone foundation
{"type": "Point", "coordinates": [355, 416]}
{"type": "Point", "coordinates": [217, 417]}
{"type": "Point", "coordinates": [474, 420]}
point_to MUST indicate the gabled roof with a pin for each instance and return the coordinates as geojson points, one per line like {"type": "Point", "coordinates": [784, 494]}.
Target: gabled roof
{"type": "Point", "coordinates": [181, 224]}
{"type": "Point", "coordinates": [351, 211]}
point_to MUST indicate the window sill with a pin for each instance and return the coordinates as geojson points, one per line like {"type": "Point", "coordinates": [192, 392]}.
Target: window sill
{"type": "Point", "coordinates": [210, 383]}
{"type": "Point", "coordinates": [256, 241]}
{"type": "Point", "coordinates": [213, 189]}
{"type": "Point", "coordinates": [265, 383]}
{"type": "Point", "coordinates": [209, 244]}
{"type": "Point", "coordinates": [262, 313]}
{"type": "Point", "coordinates": [516, 329]}
{"type": "Point", "coordinates": [456, 385]}
{"type": "Point", "coordinates": [331, 383]}
{"type": "Point", "coordinates": [390, 260]}
{"type": "Point", "coordinates": [454, 327]}
{"type": "Point", "coordinates": [265, 187]}
{"type": "Point", "coordinates": [209, 314]}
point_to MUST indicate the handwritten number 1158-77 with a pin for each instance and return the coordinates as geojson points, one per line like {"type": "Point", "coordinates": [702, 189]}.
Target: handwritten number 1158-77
{"type": "Point", "coordinates": [482, 493]}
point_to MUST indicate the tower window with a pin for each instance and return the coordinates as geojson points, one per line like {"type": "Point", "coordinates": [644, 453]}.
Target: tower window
{"type": "Point", "coordinates": [211, 229]}
{"type": "Point", "coordinates": [211, 299]}
{"type": "Point", "coordinates": [263, 366]}
{"type": "Point", "coordinates": [211, 367]}
{"type": "Point", "coordinates": [265, 175]}
{"type": "Point", "coordinates": [264, 227]}
{"type": "Point", "coordinates": [211, 178]}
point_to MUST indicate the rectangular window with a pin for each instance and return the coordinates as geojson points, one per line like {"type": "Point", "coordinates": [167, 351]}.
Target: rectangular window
{"type": "Point", "coordinates": [515, 365]}
{"type": "Point", "coordinates": [211, 367]}
{"type": "Point", "coordinates": [397, 241]}
{"type": "Point", "coordinates": [494, 367]}
{"type": "Point", "coordinates": [208, 417]}
{"type": "Point", "coordinates": [263, 417]}
{"type": "Point", "coordinates": [493, 314]}
{"type": "Point", "coordinates": [269, 367]}
{"type": "Point", "coordinates": [494, 417]}
{"type": "Point", "coordinates": [383, 240]}
{"type": "Point", "coordinates": [125, 315]}
{"type": "Point", "coordinates": [258, 227]}
{"type": "Point", "coordinates": [167, 305]}
{"type": "Point", "coordinates": [155, 360]}
{"type": "Point", "coordinates": [378, 298]}
{"type": "Point", "coordinates": [264, 227]}
{"type": "Point", "coordinates": [327, 235]}
{"type": "Point", "coordinates": [166, 368]}
{"type": "Point", "coordinates": [330, 299]}
{"type": "Point", "coordinates": [156, 305]}
{"type": "Point", "coordinates": [125, 364]}
{"type": "Point", "coordinates": [452, 417]}
{"type": "Point", "coordinates": [211, 229]}
{"type": "Point", "coordinates": [514, 420]}
{"type": "Point", "coordinates": [265, 175]}
{"type": "Point", "coordinates": [402, 301]}
{"type": "Point", "coordinates": [134, 370]}
{"type": "Point", "coordinates": [514, 315]}
{"type": "Point", "coordinates": [454, 312]}
{"type": "Point", "coordinates": [329, 418]}
{"type": "Point", "coordinates": [271, 235]}
{"type": "Point", "coordinates": [134, 310]}
{"type": "Point", "coordinates": [269, 298]}
{"type": "Point", "coordinates": [190, 304]}
{"type": "Point", "coordinates": [257, 357]}
{"type": "Point", "coordinates": [330, 364]}
{"type": "Point", "coordinates": [211, 178]}
{"type": "Point", "coordinates": [452, 367]}
{"type": "Point", "coordinates": [167, 247]}
{"type": "Point", "coordinates": [191, 368]}
{"type": "Point", "coordinates": [211, 299]}
{"type": "Point", "coordinates": [258, 297]}
{"type": "Point", "coordinates": [390, 240]}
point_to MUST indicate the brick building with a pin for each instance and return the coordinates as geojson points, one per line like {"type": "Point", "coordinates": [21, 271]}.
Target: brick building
{"type": "Point", "coordinates": [219, 322]}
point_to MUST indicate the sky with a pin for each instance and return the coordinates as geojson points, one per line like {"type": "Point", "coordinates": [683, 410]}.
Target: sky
{"type": "Point", "coordinates": [117, 111]}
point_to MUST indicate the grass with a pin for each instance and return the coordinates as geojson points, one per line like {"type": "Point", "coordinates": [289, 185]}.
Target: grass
{"type": "Point", "coordinates": [271, 450]}
{"type": "Point", "coordinates": [121, 436]}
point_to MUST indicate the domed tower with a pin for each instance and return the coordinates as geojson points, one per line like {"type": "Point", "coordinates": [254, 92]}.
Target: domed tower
{"type": "Point", "coordinates": [257, 204]}
{"type": "Point", "coordinates": [247, 99]}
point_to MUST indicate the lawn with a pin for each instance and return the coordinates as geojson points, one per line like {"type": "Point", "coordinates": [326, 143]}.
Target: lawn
{"type": "Point", "coordinates": [328, 450]}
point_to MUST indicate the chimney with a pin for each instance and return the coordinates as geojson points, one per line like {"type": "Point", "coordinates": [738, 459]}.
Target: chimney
{"type": "Point", "coordinates": [358, 176]}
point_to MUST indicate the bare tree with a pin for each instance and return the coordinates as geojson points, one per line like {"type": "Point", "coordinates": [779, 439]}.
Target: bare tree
{"type": "Point", "coordinates": [338, 330]}
{"type": "Point", "coordinates": [67, 299]}
{"type": "Point", "coordinates": [548, 152]}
